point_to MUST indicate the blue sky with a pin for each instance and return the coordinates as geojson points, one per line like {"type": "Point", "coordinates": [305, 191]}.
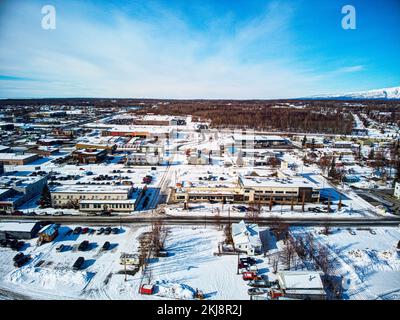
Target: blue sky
{"type": "Point", "coordinates": [197, 49]}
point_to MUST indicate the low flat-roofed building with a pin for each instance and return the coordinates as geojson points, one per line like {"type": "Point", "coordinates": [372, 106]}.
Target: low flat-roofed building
{"type": "Point", "coordinates": [16, 190]}
{"type": "Point", "coordinates": [17, 159]}
{"type": "Point", "coordinates": [302, 284]}
{"type": "Point", "coordinates": [143, 158]}
{"type": "Point", "coordinates": [45, 151]}
{"type": "Point", "coordinates": [260, 141]}
{"type": "Point", "coordinates": [87, 156]}
{"type": "Point", "coordinates": [139, 131]}
{"type": "Point", "coordinates": [94, 198]}
{"type": "Point", "coordinates": [4, 149]}
{"type": "Point", "coordinates": [19, 230]}
{"type": "Point", "coordinates": [343, 144]}
{"type": "Point", "coordinates": [278, 190]}
{"type": "Point", "coordinates": [249, 189]}
{"type": "Point", "coordinates": [106, 143]}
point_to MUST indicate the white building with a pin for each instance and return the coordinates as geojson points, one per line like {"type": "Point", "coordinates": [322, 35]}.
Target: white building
{"type": "Point", "coordinates": [397, 190]}
{"type": "Point", "coordinates": [143, 159]}
{"type": "Point", "coordinates": [95, 198]}
{"type": "Point", "coordinates": [302, 284]}
{"type": "Point", "coordinates": [246, 237]}
{"type": "Point", "coordinates": [15, 190]}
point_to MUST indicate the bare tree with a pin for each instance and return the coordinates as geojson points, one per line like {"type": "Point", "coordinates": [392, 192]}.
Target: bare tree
{"type": "Point", "coordinates": [275, 263]}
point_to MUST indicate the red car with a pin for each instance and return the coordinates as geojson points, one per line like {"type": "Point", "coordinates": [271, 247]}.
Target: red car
{"type": "Point", "coordinates": [85, 230]}
{"type": "Point", "coordinates": [249, 275]}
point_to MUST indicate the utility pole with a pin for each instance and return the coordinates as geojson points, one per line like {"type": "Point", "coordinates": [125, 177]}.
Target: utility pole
{"type": "Point", "coordinates": [125, 269]}
{"type": "Point", "coordinates": [238, 261]}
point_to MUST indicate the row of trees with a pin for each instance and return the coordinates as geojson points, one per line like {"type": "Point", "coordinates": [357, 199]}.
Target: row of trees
{"type": "Point", "coordinates": [263, 115]}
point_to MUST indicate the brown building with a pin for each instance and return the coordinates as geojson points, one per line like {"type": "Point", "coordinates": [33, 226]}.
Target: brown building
{"type": "Point", "coordinates": [17, 159]}
{"type": "Point", "coordinates": [87, 156]}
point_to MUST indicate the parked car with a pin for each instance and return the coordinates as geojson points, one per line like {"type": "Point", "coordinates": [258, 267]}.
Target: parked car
{"type": "Point", "coordinates": [256, 291]}
{"type": "Point", "coordinates": [115, 230]}
{"type": "Point", "coordinates": [107, 230]}
{"type": "Point", "coordinates": [60, 248]}
{"type": "Point", "coordinates": [83, 246]}
{"type": "Point", "coordinates": [78, 263]}
{"type": "Point", "coordinates": [248, 260]}
{"type": "Point", "coordinates": [4, 242]}
{"type": "Point", "coordinates": [85, 230]}
{"type": "Point", "coordinates": [68, 233]}
{"type": "Point", "coordinates": [21, 261]}
{"type": "Point", "coordinates": [106, 246]}
{"type": "Point", "coordinates": [77, 230]}
{"type": "Point", "coordinates": [259, 283]}
{"type": "Point", "coordinates": [100, 231]}
{"type": "Point", "coordinates": [147, 179]}
{"type": "Point", "coordinates": [249, 275]}
{"type": "Point", "coordinates": [12, 242]}
{"type": "Point", "coordinates": [17, 245]}
{"type": "Point", "coordinates": [243, 265]}
{"type": "Point", "coordinates": [18, 256]}
{"type": "Point", "coordinates": [92, 231]}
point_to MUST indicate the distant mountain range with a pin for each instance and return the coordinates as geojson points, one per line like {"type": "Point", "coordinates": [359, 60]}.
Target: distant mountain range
{"type": "Point", "coordinates": [385, 94]}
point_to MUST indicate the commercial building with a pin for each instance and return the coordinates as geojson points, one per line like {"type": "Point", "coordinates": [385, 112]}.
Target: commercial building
{"type": "Point", "coordinates": [147, 132]}
{"type": "Point", "coordinates": [260, 141]}
{"type": "Point", "coordinates": [248, 189]}
{"type": "Point", "coordinates": [95, 198]}
{"type": "Point", "coordinates": [302, 285]}
{"type": "Point", "coordinates": [143, 158]}
{"type": "Point", "coordinates": [17, 159]}
{"type": "Point", "coordinates": [19, 230]}
{"type": "Point", "coordinates": [15, 190]}
{"type": "Point", "coordinates": [278, 190]}
{"type": "Point", "coordinates": [89, 156]}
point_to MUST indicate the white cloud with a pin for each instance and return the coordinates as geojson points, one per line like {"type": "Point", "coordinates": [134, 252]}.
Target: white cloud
{"type": "Point", "coordinates": [165, 59]}
{"type": "Point", "coordinates": [351, 69]}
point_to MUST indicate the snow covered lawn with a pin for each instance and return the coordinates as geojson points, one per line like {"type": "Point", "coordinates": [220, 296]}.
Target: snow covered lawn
{"type": "Point", "coordinates": [190, 265]}
{"type": "Point", "coordinates": [367, 260]}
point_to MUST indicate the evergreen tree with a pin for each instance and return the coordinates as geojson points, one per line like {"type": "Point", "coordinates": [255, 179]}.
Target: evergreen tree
{"type": "Point", "coordinates": [332, 170]}
{"type": "Point", "coordinates": [45, 199]}
{"type": "Point", "coordinates": [371, 155]}
{"type": "Point", "coordinates": [303, 142]}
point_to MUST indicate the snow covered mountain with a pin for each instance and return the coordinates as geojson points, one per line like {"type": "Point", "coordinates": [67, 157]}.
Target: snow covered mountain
{"type": "Point", "coordinates": [385, 93]}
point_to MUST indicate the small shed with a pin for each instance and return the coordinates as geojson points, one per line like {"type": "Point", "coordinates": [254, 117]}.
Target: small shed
{"type": "Point", "coordinates": [147, 289]}
{"type": "Point", "coordinates": [48, 233]}
{"type": "Point", "coordinates": [129, 259]}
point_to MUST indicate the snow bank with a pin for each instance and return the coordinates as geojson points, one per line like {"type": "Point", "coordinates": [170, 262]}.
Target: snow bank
{"type": "Point", "coordinates": [50, 279]}
{"type": "Point", "coordinates": [174, 291]}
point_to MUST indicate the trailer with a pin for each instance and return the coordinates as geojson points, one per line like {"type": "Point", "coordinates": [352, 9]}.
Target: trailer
{"type": "Point", "coordinates": [147, 289]}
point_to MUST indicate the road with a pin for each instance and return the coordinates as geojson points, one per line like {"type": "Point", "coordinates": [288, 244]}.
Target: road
{"type": "Point", "coordinates": [201, 220]}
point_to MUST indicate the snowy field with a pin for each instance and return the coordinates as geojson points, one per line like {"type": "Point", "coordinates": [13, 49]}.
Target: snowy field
{"type": "Point", "coordinates": [190, 265]}
{"type": "Point", "coordinates": [366, 258]}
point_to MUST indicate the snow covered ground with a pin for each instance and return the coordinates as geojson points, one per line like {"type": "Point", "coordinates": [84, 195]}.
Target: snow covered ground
{"type": "Point", "coordinates": [366, 258]}
{"type": "Point", "coordinates": [190, 265]}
